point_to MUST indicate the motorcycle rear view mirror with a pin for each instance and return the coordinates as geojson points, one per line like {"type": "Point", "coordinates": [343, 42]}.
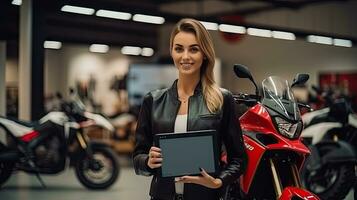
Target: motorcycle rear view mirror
{"type": "Point", "coordinates": [300, 79]}
{"type": "Point", "coordinates": [242, 71]}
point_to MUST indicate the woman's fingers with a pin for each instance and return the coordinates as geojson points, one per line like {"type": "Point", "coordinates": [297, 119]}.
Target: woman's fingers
{"type": "Point", "coordinates": [204, 174]}
{"type": "Point", "coordinates": [153, 166]}
{"type": "Point", "coordinates": [154, 154]}
{"type": "Point", "coordinates": [157, 149]}
{"type": "Point", "coordinates": [155, 158]}
{"type": "Point", "coordinates": [205, 179]}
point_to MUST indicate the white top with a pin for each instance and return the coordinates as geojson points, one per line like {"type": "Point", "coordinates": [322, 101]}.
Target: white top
{"type": "Point", "coordinates": [180, 126]}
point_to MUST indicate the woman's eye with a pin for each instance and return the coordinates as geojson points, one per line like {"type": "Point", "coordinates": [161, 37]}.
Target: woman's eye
{"type": "Point", "coordinates": [194, 50]}
{"type": "Point", "coordinates": [178, 49]}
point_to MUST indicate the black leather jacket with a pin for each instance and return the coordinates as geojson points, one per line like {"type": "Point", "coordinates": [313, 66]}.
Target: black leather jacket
{"type": "Point", "coordinates": [158, 114]}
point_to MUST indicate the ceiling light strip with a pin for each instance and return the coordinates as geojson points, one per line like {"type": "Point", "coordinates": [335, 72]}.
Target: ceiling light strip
{"type": "Point", "coordinates": [232, 28]}
{"type": "Point", "coordinates": [52, 45]}
{"type": "Point", "coordinates": [131, 50]}
{"type": "Point", "coordinates": [259, 32]}
{"type": "Point", "coordinates": [319, 39]}
{"type": "Point", "coordinates": [99, 48]}
{"type": "Point", "coordinates": [342, 42]}
{"type": "Point", "coordinates": [147, 52]}
{"type": "Point", "coordinates": [283, 35]}
{"type": "Point", "coordinates": [78, 10]}
{"type": "Point", "coordinates": [210, 25]}
{"type": "Point", "coordinates": [113, 14]}
{"type": "Point", "coordinates": [16, 2]}
{"type": "Point", "coordinates": [148, 19]}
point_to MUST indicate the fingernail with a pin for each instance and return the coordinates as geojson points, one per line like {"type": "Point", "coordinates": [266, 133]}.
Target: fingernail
{"type": "Point", "coordinates": [200, 169]}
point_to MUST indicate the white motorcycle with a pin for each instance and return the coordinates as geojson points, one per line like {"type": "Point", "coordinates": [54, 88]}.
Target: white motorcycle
{"type": "Point", "coordinates": [331, 134]}
{"type": "Point", "coordinates": [57, 141]}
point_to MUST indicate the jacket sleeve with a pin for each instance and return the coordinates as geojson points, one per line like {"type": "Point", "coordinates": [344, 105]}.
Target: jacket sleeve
{"type": "Point", "coordinates": [233, 141]}
{"type": "Point", "coordinates": [143, 139]}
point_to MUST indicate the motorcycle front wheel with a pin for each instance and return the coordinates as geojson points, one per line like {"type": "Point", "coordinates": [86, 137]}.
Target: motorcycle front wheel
{"type": "Point", "coordinates": [100, 171]}
{"type": "Point", "coordinates": [331, 182]}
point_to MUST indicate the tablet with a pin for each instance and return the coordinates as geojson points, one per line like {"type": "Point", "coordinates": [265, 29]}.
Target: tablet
{"type": "Point", "coordinates": [184, 153]}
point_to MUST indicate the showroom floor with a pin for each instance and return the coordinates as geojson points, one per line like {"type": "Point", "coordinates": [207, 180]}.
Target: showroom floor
{"type": "Point", "coordinates": [65, 186]}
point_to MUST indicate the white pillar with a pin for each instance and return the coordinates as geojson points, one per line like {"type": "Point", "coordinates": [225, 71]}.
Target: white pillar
{"type": "Point", "coordinates": [25, 32]}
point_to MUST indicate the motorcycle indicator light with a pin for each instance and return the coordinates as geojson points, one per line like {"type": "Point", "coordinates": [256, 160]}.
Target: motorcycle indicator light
{"type": "Point", "coordinates": [286, 128]}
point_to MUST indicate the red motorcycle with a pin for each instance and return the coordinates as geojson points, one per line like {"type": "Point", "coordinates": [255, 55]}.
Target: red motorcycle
{"type": "Point", "coordinates": [271, 126]}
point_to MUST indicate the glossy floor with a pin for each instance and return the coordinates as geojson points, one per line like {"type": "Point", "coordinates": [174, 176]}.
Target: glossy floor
{"type": "Point", "coordinates": [65, 186]}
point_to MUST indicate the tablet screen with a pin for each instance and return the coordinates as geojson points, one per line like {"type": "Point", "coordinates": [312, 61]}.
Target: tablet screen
{"type": "Point", "coordinates": [184, 153]}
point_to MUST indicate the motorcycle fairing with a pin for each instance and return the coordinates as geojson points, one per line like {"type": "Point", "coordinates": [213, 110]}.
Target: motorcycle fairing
{"type": "Point", "coordinates": [16, 129]}
{"type": "Point", "coordinates": [254, 152]}
{"type": "Point", "coordinates": [291, 192]}
{"type": "Point", "coordinates": [30, 136]}
{"type": "Point", "coordinates": [257, 122]}
{"type": "Point", "coordinates": [257, 119]}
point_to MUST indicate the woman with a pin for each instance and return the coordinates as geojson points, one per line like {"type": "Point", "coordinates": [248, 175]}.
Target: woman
{"type": "Point", "coordinates": [193, 102]}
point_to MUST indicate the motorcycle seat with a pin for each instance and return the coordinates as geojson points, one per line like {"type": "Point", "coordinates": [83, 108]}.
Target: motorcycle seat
{"type": "Point", "coordinates": [28, 124]}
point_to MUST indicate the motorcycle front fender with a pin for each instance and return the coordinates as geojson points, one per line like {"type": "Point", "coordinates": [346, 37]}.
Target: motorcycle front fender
{"type": "Point", "coordinates": [291, 192]}
{"type": "Point", "coordinates": [341, 152]}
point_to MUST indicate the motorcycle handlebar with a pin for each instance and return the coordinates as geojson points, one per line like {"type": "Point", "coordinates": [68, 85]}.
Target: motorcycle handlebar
{"type": "Point", "coordinates": [247, 99]}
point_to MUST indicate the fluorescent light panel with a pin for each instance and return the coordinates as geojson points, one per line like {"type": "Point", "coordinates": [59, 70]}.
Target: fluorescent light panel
{"type": "Point", "coordinates": [17, 2]}
{"type": "Point", "coordinates": [210, 25]}
{"type": "Point", "coordinates": [99, 48]}
{"type": "Point", "coordinates": [113, 14]}
{"type": "Point", "coordinates": [131, 50]}
{"type": "Point", "coordinates": [148, 19]}
{"type": "Point", "coordinates": [52, 45]}
{"type": "Point", "coordinates": [319, 39]}
{"type": "Point", "coordinates": [283, 35]}
{"type": "Point", "coordinates": [259, 32]}
{"type": "Point", "coordinates": [78, 10]}
{"type": "Point", "coordinates": [147, 52]}
{"type": "Point", "coordinates": [232, 28]}
{"type": "Point", "coordinates": [342, 43]}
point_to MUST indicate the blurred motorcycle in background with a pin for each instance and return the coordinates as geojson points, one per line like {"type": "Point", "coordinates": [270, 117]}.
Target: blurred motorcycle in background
{"type": "Point", "coordinates": [57, 141]}
{"type": "Point", "coordinates": [331, 134]}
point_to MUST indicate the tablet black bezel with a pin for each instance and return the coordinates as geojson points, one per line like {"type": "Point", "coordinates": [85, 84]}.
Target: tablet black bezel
{"type": "Point", "coordinates": [199, 133]}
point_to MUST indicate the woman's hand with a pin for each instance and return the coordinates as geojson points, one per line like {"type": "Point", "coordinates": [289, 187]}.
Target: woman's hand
{"type": "Point", "coordinates": [205, 180]}
{"type": "Point", "coordinates": [155, 158]}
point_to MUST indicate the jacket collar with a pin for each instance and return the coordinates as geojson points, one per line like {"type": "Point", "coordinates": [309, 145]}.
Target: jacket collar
{"type": "Point", "coordinates": [174, 92]}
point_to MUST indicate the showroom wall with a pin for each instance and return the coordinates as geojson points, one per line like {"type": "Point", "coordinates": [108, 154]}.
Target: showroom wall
{"type": "Point", "coordinates": [74, 66]}
{"type": "Point", "coordinates": [268, 56]}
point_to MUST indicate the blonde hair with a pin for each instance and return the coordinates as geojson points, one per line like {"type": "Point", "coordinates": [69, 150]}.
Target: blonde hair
{"type": "Point", "coordinates": [211, 92]}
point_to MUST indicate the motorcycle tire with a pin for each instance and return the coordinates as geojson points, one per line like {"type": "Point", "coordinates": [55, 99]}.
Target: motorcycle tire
{"type": "Point", "coordinates": [5, 168]}
{"type": "Point", "coordinates": [339, 178]}
{"type": "Point", "coordinates": [89, 171]}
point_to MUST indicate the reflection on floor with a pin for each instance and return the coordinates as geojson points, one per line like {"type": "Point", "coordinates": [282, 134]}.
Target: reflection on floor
{"type": "Point", "coordinates": [65, 186]}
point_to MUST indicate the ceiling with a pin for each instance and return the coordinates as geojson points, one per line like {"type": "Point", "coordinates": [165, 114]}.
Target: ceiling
{"type": "Point", "coordinates": [74, 28]}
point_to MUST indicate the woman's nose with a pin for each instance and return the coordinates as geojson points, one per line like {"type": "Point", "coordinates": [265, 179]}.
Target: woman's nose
{"type": "Point", "coordinates": [185, 55]}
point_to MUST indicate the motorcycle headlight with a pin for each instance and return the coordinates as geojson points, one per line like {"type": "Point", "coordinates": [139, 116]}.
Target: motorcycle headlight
{"type": "Point", "coordinates": [288, 129]}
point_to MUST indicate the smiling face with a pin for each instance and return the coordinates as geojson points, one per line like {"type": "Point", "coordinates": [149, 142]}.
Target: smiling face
{"type": "Point", "coordinates": [187, 54]}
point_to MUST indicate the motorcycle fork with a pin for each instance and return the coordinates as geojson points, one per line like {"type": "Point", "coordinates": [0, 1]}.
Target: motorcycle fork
{"type": "Point", "coordinates": [276, 178]}
{"type": "Point", "coordinates": [277, 184]}
{"type": "Point", "coordinates": [83, 142]}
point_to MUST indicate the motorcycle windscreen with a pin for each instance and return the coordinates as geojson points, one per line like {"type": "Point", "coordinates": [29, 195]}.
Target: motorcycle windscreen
{"type": "Point", "coordinates": [277, 95]}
